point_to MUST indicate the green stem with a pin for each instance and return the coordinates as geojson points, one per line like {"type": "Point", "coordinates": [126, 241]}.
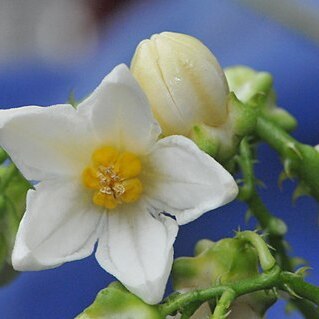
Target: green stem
{"type": "Point", "coordinates": [260, 282]}
{"type": "Point", "coordinates": [274, 226]}
{"type": "Point", "coordinates": [223, 304]}
{"type": "Point", "coordinates": [291, 282]}
{"type": "Point", "coordinates": [300, 160]}
{"type": "Point", "coordinates": [275, 278]}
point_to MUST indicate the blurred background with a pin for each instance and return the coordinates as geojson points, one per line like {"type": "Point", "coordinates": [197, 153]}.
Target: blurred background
{"type": "Point", "coordinates": [49, 49]}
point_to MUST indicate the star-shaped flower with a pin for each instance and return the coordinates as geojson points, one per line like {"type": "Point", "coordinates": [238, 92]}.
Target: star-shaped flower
{"type": "Point", "coordinates": [105, 177]}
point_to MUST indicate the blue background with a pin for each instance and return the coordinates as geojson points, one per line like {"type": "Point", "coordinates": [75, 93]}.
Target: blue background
{"type": "Point", "coordinates": [236, 35]}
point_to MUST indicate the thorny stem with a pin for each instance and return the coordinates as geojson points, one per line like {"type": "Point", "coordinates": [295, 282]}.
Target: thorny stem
{"type": "Point", "coordinates": [274, 226]}
{"type": "Point", "coordinates": [299, 159]}
{"type": "Point", "coordinates": [263, 281]}
{"type": "Point", "coordinates": [223, 304]}
{"type": "Point", "coordinates": [275, 278]}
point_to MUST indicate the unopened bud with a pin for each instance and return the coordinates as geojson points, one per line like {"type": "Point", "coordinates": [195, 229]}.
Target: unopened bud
{"type": "Point", "coordinates": [182, 80]}
{"type": "Point", "coordinates": [116, 302]}
{"type": "Point", "coordinates": [247, 83]}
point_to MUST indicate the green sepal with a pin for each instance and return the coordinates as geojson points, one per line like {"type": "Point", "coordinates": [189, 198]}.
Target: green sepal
{"type": "Point", "coordinates": [246, 82]}
{"type": "Point", "coordinates": [222, 142]}
{"type": "Point", "coordinates": [116, 302]}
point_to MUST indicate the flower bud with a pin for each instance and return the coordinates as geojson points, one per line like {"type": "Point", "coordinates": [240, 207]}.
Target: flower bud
{"type": "Point", "coordinates": [246, 83]}
{"type": "Point", "coordinates": [116, 302]}
{"type": "Point", "coordinates": [183, 82]}
{"type": "Point", "coordinates": [222, 262]}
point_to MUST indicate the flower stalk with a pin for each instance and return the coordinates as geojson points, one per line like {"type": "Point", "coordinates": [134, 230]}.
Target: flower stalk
{"type": "Point", "coordinates": [273, 226]}
{"type": "Point", "coordinates": [223, 304]}
{"type": "Point", "coordinates": [266, 280]}
{"type": "Point", "coordinates": [299, 159]}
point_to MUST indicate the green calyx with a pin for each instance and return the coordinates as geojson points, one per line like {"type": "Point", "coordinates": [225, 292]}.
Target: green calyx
{"type": "Point", "coordinates": [116, 302]}
{"type": "Point", "coordinates": [222, 142]}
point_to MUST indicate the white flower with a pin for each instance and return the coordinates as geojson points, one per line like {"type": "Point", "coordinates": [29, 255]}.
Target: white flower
{"type": "Point", "coordinates": [183, 82]}
{"type": "Point", "coordinates": [105, 178]}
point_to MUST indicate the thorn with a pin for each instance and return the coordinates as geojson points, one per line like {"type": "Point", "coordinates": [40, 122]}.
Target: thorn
{"type": "Point", "coordinates": [292, 292]}
{"type": "Point", "coordinates": [271, 247]}
{"type": "Point", "coordinates": [282, 177]}
{"type": "Point", "coordinates": [227, 314]}
{"type": "Point", "coordinates": [302, 272]}
{"type": "Point", "coordinates": [260, 183]}
{"type": "Point", "coordinates": [292, 146]}
{"type": "Point", "coordinates": [288, 168]}
{"type": "Point", "coordinates": [297, 261]}
{"type": "Point", "coordinates": [301, 190]}
{"type": "Point", "coordinates": [275, 292]}
{"type": "Point", "coordinates": [248, 215]}
{"type": "Point", "coordinates": [264, 234]}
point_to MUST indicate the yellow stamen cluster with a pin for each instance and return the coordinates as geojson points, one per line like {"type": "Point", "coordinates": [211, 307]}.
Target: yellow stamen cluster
{"type": "Point", "coordinates": [113, 177]}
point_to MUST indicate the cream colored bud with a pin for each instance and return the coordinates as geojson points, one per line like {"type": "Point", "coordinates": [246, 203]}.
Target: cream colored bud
{"type": "Point", "coordinates": [182, 80]}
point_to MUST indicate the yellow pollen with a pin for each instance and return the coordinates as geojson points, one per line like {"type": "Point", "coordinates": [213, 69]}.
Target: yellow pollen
{"type": "Point", "coordinates": [112, 175]}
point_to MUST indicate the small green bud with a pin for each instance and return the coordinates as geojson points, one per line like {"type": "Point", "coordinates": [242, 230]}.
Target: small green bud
{"type": "Point", "coordinates": [247, 83]}
{"type": "Point", "coordinates": [222, 262]}
{"type": "Point", "coordinates": [116, 302]}
{"type": "Point", "coordinates": [277, 227]}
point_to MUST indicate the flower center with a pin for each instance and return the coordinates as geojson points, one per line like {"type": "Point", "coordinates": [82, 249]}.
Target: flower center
{"type": "Point", "coordinates": [113, 177]}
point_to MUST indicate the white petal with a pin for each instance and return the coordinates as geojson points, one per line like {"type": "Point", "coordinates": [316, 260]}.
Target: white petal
{"type": "Point", "coordinates": [137, 249]}
{"type": "Point", "coordinates": [59, 225]}
{"type": "Point", "coordinates": [45, 141]}
{"type": "Point", "coordinates": [185, 181]}
{"type": "Point", "coordinates": [120, 113]}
